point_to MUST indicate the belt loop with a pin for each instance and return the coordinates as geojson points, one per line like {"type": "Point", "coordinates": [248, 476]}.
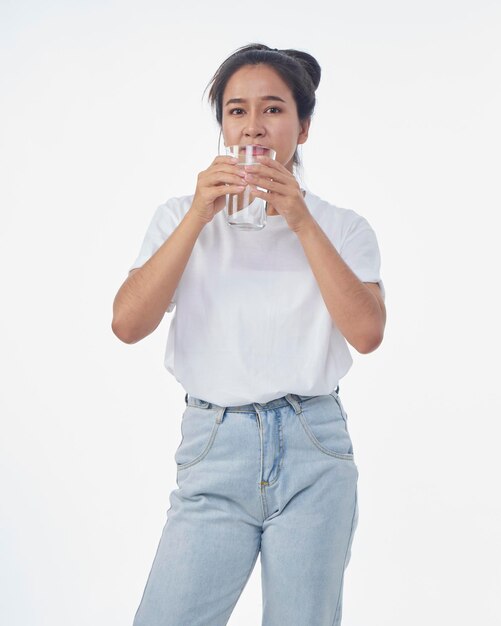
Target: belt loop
{"type": "Point", "coordinates": [296, 404]}
{"type": "Point", "coordinates": [256, 405]}
{"type": "Point", "coordinates": [220, 415]}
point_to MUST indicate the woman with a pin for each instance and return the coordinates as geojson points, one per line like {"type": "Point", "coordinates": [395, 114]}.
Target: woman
{"type": "Point", "coordinates": [259, 343]}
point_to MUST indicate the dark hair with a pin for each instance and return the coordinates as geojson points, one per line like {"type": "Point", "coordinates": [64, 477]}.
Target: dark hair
{"type": "Point", "coordinates": [299, 70]}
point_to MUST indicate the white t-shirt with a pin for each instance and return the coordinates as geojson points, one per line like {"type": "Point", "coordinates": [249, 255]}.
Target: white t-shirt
{"type": "Point", "coordinates": [250, 323]}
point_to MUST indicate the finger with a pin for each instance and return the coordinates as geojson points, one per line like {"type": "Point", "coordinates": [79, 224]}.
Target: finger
{"type": "Point", "coordinates": [274, 164]}
{"type": "Point", "coordinates": [225, 169]}
{"type": "Point", "coordinates": [222, 190]}
{"type": "Point", "coordinates": [266, 183]}
{"type": "Point", "coordinates": [223, 178]}
{"type": "Point", "coordinates": [227, 174]}
{"type": "Point", "coordinates": [264, 170]}
{"type": "Point", "coordinates": [234, 168]}
{"type": "Point", "coordinates": [225, 159]}
{"type": "Point", "coordinates": [267, 196]}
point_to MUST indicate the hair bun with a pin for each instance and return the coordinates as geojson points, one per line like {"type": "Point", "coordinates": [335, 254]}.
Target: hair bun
{"type": "Point", "coordinates": [251, 46]}
{"type": "Point", "coordinates": [309, 63]}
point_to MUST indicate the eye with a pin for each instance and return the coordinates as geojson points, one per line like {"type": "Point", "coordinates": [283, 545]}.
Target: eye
{"type": "Point", "coordinates": [273, 109]}
{"type": "Point", "coordinates": [235, 111]}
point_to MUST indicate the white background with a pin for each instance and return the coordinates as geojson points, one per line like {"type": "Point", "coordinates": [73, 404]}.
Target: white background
{"type": "Point", "coordinates": [102, 119]}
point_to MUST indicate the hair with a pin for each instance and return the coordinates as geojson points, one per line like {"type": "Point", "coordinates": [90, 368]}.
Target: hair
{"type": "Point", "coordinates": [299, 71]}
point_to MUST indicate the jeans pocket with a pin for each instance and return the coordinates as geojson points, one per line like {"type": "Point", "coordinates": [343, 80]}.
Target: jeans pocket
{"type": "Point", "coordinates": [340, 405]}
{"type": "Point", "coordinates": [199, 427]}
{"type": "Point", "coordinates": [325, 422]}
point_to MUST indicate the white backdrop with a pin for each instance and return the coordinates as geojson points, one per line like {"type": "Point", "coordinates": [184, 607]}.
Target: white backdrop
{"type": "Point", "coordinates": [102, 119]}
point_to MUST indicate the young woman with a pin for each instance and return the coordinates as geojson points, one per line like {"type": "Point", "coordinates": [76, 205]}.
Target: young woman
{"type": "Point", "coordinates": [258, 341]}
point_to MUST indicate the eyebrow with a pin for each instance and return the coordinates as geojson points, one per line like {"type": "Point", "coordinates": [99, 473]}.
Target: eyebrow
{"type": "Point", "coordinates": [242, 100]}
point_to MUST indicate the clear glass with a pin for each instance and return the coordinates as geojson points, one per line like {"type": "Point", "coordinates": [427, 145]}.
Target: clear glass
{"type": "Point", "coordinates": [243, 210]}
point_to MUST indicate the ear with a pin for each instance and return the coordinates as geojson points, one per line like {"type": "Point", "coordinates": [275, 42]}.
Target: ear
{"type": "Point", "coordinates": [304, 127]}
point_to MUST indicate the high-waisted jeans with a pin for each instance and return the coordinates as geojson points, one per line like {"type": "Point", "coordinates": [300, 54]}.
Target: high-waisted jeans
{"type": "Point", "coordinates": [276, 479]}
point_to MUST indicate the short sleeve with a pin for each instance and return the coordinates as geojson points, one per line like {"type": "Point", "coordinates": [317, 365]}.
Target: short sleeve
{"type": "Point", "coordinates": [164, 221]}
{"type": "Point", "coordinates": [360, 251]}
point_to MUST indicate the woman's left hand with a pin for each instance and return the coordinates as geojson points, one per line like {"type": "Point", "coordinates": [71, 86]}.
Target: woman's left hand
{"type": "Point", "coordinates": [283, 191]}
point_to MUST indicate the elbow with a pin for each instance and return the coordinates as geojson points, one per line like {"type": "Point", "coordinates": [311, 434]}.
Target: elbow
{"type": "Point", "coordinates": [368, 347]}
{"type": "Point", "coordinates": [369, 342]}
{"type": "Point", "coordinates": [122, 333]}
{"type": "Point", "coordinates": [121, 325]}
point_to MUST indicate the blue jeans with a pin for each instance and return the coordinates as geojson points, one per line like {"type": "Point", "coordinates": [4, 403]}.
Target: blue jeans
{"type": "Point", "coordinates": [277, 478]}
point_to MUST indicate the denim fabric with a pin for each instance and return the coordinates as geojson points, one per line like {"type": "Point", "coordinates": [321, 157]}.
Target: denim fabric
{"type": "Point", "coordinates": [276, 479]}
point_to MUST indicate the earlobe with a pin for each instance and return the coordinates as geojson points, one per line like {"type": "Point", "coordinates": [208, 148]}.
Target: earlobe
{"type": "Point", "coordinates": [305, 127]}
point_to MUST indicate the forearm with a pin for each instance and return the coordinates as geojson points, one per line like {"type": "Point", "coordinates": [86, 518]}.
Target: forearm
{"type": "Point", "coordinates": [352, 306]}
{"type": "Point", "coordinates": [142, 300]}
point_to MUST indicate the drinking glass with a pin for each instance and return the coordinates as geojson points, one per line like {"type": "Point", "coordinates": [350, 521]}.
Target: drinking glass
{"type": "Point", "coordinates": [244, 210]}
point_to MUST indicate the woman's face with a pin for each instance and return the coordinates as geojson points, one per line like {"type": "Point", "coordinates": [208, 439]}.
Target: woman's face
{"type": "Point", "coordinates": [259, 108]}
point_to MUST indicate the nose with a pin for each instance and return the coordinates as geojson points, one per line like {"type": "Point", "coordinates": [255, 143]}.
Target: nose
{"type": "Point", "coordinates": [253, 133]}
{"type": "Point", "coordinates": [254, 128]}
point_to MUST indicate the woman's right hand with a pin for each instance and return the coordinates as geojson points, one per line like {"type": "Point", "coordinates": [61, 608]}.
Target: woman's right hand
{"type": "Point", "coordinates": [220, 178]}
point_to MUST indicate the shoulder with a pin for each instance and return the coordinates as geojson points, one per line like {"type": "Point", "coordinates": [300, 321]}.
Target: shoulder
{"type": "Point", "coordinates": [167, 217]}
{"type": "Point", "coordinates": [169, 214]}
{"type": "Point", "coordinates": [176, 206]}
{"type": "Point", "coordinates": [331, 216]}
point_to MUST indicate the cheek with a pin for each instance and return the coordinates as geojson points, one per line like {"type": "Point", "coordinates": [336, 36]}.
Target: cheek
{"type": "Point", "coordinates": [228, 131]}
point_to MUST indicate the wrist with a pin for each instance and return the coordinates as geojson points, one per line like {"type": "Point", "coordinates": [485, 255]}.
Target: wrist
{"type": "Point", "coordinates": [305, 225]}
{"type": "Point", "coordinates": [195, 218]}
